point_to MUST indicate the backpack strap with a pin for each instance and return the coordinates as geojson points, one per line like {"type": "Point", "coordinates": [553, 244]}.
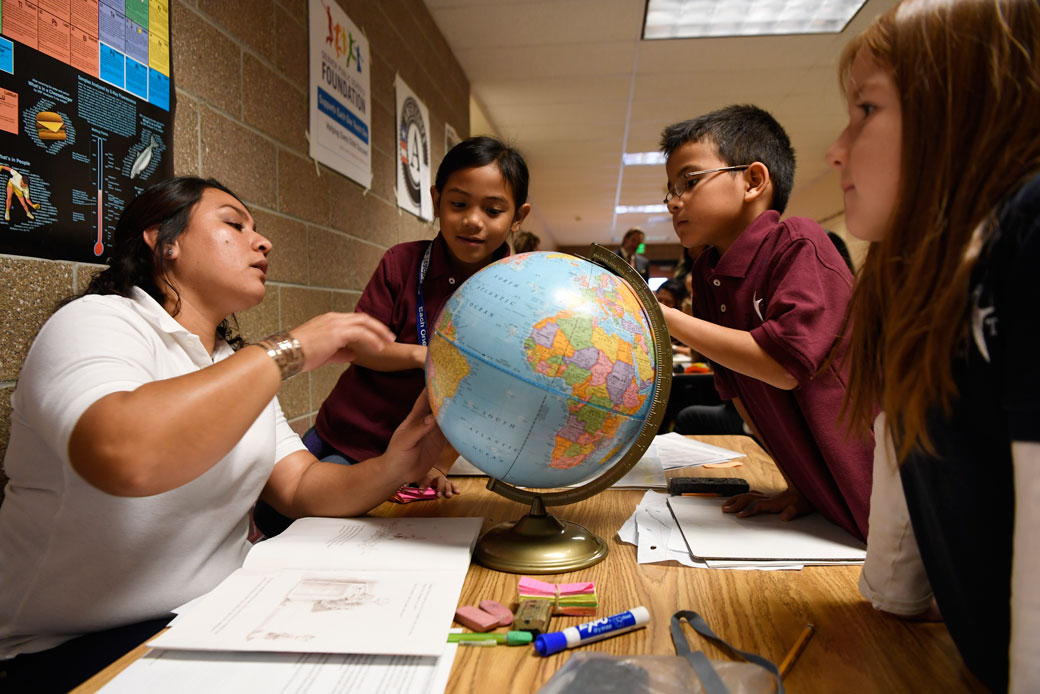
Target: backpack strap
{"type": "Point", "coordinates": [701, 665]}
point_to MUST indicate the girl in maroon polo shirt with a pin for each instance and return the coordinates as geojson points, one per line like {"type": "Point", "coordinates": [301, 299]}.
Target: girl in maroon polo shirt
{"type": "Point", "coordinates": [940, 168]}
{"type": "Point", "coordinates": [479, 196]}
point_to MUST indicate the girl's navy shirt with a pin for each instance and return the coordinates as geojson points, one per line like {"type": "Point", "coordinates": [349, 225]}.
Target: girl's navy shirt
{"type": "Point", "coordinates": [961, 501]}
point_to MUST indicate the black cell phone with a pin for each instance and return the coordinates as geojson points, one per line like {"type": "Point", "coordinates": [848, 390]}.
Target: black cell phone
{"type": "Point", "coordinates": [717, 486]}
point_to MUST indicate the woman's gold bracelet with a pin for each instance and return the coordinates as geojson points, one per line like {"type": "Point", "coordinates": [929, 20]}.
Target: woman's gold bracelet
{"type": "Point", "coordinates": [286, 352]}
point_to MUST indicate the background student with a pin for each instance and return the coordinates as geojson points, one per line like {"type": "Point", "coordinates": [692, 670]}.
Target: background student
{"type": "Point", "coordinates": [143, 431]}
{"type": "Point", "coordinates": [479, 196]}
{"type": "Point", "coordinates": [526, 242]}
{"type": "Point", "coordinates": [629, 251]}
{"type": "Point", "coordinates": [940, 164]}
{"type": "Point", "coordinates": [768, 298]}
{"type": "Point", "coordinates": [671, 293]}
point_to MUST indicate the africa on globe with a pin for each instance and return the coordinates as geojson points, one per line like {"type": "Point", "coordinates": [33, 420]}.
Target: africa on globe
{"type": "Point", "coordinates": [541, 369]}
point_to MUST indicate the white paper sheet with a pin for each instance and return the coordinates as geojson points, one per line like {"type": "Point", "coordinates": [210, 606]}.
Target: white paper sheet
{"type": "Point", "coordinates": [653, 530]}
{"type": "Point", "coordinates": [398, 544]}
{"type": "Point", "coordinates": [713, 535]}
{"type": "Point", "coordinates": [322, 612]}
{"type": "Point", "coordinates": [200, 672]}
{"type": "Point", "coordinates": [677, 451]}
{"type": "Point", "coordinates": [326, 585]}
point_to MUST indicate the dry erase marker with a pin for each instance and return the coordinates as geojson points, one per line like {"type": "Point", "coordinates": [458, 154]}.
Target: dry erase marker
{"type": "Point", "coordinates": [556, 641]}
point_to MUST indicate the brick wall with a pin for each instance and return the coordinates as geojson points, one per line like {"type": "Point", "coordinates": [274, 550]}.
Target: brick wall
{"type": "Point", "coordinates": [241, 76]}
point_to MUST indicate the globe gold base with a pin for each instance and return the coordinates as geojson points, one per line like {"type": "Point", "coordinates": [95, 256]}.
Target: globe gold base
{"type": "Point", "coordinates": [539, 543]}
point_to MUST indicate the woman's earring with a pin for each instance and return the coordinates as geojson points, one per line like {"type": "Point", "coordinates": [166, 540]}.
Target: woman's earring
{"type": "Point", "coordinates": [169, 252]}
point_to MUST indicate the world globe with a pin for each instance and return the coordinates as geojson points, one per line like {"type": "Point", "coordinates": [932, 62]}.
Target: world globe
{"type": "Point", "coordinates": [544, 370]}
{"type": "Point", "coordinates": [541, 369]}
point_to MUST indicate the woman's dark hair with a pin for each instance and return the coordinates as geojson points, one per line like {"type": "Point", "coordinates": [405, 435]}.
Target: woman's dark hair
{"type": "Point", "coordinates": [475, 152]}
{"type": "Point", "coordinates": [168, 206]}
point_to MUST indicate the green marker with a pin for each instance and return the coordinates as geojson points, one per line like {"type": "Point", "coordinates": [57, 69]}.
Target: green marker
{"type": "Point", "coordinates": [510, 638]}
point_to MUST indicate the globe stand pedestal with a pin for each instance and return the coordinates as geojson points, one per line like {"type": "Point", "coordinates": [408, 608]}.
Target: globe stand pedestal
{"type": "Point", "coordinates": [539, 543]}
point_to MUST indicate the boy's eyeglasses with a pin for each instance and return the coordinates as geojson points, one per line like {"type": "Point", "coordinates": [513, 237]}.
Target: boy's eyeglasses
{"type": "Point", "coordinates": [689, 179]}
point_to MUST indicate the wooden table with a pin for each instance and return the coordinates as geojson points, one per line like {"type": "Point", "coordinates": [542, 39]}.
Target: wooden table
{"type": "Point", "coordinates": [855, 648]}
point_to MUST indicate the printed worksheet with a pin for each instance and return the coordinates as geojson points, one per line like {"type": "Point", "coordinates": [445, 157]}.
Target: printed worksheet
{"type": "Point", "coordinates": [380, 586]}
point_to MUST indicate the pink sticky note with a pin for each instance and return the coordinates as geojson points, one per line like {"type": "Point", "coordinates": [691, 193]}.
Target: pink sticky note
{"type": "Point", "coordinates": [405, 495]}
{"type": "Point", "coordinates": [499, 611]}
{"type": "Point", "coordinates": [532, 586]}
{"type": "Point", "coordinates": [475, 618]}
{"type": "Point", "coordinates": [577, 588]}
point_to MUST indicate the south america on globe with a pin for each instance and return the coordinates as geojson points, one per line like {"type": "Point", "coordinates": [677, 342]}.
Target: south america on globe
{"type": "Point", "coordinates": [541, 369]}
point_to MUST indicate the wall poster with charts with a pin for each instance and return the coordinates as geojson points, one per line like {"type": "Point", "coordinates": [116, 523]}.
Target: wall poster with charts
{"type": "Point", "coordinates": [86, 101]}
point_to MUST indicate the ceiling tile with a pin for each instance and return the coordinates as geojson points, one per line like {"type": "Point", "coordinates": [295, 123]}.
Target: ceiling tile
{"type": "Point", "coordinates": [570, 84]}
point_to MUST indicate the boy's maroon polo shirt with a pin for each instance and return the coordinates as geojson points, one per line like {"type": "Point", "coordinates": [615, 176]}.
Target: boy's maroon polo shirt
{"type": "Point", "coordinates": [786, 283]}
{"type": "Point", "coordinates": [366, 406]}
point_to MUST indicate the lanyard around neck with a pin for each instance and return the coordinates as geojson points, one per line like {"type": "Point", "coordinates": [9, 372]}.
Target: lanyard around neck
{"type": "Point", "coordinates": [420, 306]}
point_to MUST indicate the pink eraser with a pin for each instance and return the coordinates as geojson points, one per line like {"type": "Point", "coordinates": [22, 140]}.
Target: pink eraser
{"type": "Point", "coordinates": [499, 611]}
{"type": "Point", "coordinates": [476, 619]}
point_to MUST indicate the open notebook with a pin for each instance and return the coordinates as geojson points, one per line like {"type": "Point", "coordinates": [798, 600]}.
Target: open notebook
{"type": "Point", "coordinates": [385, 586]}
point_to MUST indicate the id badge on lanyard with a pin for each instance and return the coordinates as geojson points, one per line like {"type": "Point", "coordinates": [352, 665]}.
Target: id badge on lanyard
{"type": "Point", "coordinates": [420, 307]}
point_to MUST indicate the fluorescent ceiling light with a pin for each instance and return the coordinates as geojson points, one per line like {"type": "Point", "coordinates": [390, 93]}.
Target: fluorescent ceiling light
{"type": "Point", "coordinates": [640, 209]}
{"type": "Point", "coordinates": [682, 19]}
{"type": "Point", "coordinates": [642, 158]}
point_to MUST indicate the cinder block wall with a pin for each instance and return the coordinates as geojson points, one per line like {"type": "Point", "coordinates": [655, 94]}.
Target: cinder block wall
{"type": "Point", "coordinates": [241, 75]}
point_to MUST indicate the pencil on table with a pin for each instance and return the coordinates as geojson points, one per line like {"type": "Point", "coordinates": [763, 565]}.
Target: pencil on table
{"type": "Point", "coordinates": [796, 650]}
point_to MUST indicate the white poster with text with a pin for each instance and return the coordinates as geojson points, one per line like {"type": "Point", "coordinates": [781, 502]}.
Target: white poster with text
{"type": "Point", "coordinates": [413, 160]}
{"type": "Point", "coordinates": [340, 123]}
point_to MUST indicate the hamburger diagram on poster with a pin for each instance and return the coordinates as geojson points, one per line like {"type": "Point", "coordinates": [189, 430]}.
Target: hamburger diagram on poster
{"type": "Point", "coordinates": [413, 154]}
{"type": "Point", "coordinates": [51, 126]}
{"type": "Point", "coordinates": [85, 121]}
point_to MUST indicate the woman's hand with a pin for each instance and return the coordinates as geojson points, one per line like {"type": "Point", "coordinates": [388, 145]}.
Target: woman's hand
{"type": "Point", "coordinates": [789, 504]}
{"type": "Point", "coordinates": [340, 337]}
{"type": "Point", "coordinates": [302, 486]}
{"type": "Point", "coordinates": [416, 443]}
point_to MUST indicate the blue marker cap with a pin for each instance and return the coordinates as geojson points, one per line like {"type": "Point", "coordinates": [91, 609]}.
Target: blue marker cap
{"type": "Point", "coordinates": [552, 642]}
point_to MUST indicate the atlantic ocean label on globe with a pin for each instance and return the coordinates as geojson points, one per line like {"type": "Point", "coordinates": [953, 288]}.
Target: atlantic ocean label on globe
{"type": "Point", "coordinates": [541, 369]}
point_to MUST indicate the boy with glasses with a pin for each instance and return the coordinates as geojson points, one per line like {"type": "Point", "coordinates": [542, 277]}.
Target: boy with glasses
{"type": "Point", "coordinates": [769, 299]}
